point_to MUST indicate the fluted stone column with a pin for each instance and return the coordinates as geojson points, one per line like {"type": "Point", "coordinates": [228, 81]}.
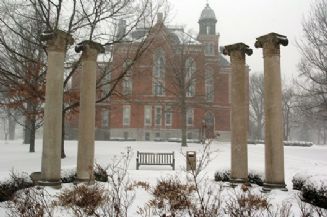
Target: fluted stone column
{"type": "Point", "coordinates": [85, 153]}
{"type": "Point", "coordinates": [52, 128]}
{"type": "Point", "coordinates": [274, 148]}
{"type": "Point", "coordinates": [239, 154]}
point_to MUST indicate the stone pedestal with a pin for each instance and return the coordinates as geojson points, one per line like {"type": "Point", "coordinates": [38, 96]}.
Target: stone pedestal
{"type": "Point", "coordinates": [85, 154]}
{"type": "Point", "coordinates": [239, 125]}
{"type": "Point", "coordinates": [51, 153]}
{"type": "Point", "coordinates": [274, 148]}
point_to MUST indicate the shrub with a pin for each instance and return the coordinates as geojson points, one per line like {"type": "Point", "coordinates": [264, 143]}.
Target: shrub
{"type": "Point", "coordinates": [68, 176]}
{"type": "Point", "coordinates": [30, 202]}
{"type": "Point", "coordinates": [243, 202]}
{"type": "Point", "coordinates": [171, 196]}
{"type": "Point", "coordinates": [16, 182]}
{"type": "Point", "coordinates": [299, 180]}
{"type": "Point", "coordinates": [254, 177]}
{"type": "Point", "coordinates": [100, 173]}
{"type": "Point", "coordinates": [314, 191]}
{"type": "Point", "coordinates": [83, 200]}
{"type": "Point", "coordinates": [298, 143]}
{"type": "Point", "coordinates": [222, 176]}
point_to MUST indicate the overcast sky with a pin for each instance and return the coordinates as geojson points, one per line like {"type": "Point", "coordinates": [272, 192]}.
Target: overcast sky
{"type": "Point", "coordinates": [245, 20]}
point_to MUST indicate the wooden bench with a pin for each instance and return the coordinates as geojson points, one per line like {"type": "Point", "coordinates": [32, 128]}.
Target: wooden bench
{"type": "Point", "coordinates": [148, 158]}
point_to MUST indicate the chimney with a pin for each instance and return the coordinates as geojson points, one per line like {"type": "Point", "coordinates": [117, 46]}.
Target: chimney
{"type": "Point", "coordinates": [159, 18]}
{"type": "Point", "coordinates": [121, 29]}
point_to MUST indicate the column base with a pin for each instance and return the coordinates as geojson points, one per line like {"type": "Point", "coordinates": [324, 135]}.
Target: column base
{"type": "Point", "coordinates": [85, 181]}
{"type": "Point", "coordinates": [235, 181]}
{"type": "Point", "coordinates": [56, 184]}
{"type": "Point", "coordinates": [267, 187]}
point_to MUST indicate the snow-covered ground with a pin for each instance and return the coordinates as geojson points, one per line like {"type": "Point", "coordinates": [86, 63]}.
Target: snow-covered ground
{"type": "Point", "coordinates": [15, 156]}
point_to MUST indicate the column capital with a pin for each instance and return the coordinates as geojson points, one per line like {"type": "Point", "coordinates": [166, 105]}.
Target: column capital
{"type": "Point", "coordinates": [240, 47]}
{"type": "Point", "coordinates": [90, 49]}
{"type": "Point", "coordinates": [57, 40]}
{"type": "Point", "coordinates": [271, 43]}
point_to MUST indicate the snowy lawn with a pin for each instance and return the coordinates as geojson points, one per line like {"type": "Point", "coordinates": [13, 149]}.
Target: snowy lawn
{"type": "Point", "coordinates": [313, 160]}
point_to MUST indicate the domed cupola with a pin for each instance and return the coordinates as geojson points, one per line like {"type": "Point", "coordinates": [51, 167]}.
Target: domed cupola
{"type": "Point", "coordinates": [207, 21]}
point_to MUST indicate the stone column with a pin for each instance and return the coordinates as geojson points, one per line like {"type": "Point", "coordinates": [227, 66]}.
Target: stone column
{"type": "Point", "coordinates": [274, 148]}
{"type": "Point", "coordinates": [239, 126]}
{"type": "Point", "coordinates": [85, 153]}
{"type": "Point", "coordinates": [52, 129]}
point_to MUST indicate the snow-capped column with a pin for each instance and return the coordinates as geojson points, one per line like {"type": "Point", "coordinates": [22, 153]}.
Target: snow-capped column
{"type": "Point", "coordinates": [274, 148]}
{"type": "Point", "coordinates": [86, 130]}
{"type": "Point", "coordinates": [239, 125]}
{"type": "Point", "coordinates": [52, 129]}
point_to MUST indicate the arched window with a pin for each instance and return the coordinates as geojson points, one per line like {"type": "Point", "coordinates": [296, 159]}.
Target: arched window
{"type": "Point", "coordinates": [158, 82]}
{"type": "Point", "coordinates": [190, 69]}
{"type": "Point", "coordinates": [209, 85]}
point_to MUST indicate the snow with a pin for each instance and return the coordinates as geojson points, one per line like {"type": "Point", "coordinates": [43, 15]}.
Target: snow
{"type": "Point", "coordinates": [301, 161]}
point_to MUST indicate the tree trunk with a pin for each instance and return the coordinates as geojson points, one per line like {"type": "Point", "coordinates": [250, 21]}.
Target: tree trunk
{"type": "Point", "coordinates": [12, 128]}
{"type": "Point", "coordinates": [63, 155]}
{"type": "Point", "coordinates": [184, 125]}
{"type": "Point", "coordinates": [32, 132]}
{"type": "Point", "coordinates": [259, 128]}
{"type": "Point", "coordinates": [27, 132]}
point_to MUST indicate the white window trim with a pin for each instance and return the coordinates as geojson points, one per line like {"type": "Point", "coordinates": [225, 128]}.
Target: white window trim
{"type": "Point", "coordinates": [156, 114]}
{"type": "Point", "coordinates": [190, 81]}
{"type": "Point", "coordinates": [158, 81]}
{"type": "Point", "coordinates": [105, 114]}
{"type": "Point", "coordinates": [189, 111]}
{"type": "Point", "coordinates": [168, 111]}
{"type": "Point", "coordinates": [147, 108]}
{"type": "Point", "coordinates": [209, 85]}
{"type": "Point", "coordinates": [128, 109]}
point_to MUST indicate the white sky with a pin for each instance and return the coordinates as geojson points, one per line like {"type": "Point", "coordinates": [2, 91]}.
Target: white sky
{"type": "Point", "coordinates": [245, 20]}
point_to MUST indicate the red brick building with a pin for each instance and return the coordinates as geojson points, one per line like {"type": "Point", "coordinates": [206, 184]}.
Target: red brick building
{"type": "Point", "coordinates": [176, 75]}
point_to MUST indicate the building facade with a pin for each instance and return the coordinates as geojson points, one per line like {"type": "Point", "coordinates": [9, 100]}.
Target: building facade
{"type": "Point", "coordinates": [175, 81]}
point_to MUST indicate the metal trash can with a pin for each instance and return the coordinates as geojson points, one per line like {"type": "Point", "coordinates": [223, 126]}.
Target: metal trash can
{"type": "Point", "coordinates": [190, 160]}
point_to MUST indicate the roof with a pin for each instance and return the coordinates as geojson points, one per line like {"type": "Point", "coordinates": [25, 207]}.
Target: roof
{"type": "Point", "coordinates": [207, 14]}
{"type": "Point", "coordinates": [176, 34]}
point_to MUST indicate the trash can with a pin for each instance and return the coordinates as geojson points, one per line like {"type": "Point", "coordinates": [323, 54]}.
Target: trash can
{"type": "Point", "coordinates": [190, 160]}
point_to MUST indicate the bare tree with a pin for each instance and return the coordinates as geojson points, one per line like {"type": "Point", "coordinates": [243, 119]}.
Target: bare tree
{"type": "Point", "coordinates": [288, 104]}
{"type": "Point", "coordinates": [184, 74]}
{"type": "Point", "coordinates": [313, 65]}
{"type": "Point", "coordinates": [256, 92]}
{"type": "Point", "coordinates": [85, 20]}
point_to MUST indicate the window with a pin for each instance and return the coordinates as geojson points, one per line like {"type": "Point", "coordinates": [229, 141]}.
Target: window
{"type": "Point", "coordinates": [105, 118]}
{"type": "Point", "coordinates": [106, 78]}
{"type": "Point", "coordinates": [127, 80]}
{"type": "Point", "coordinates": [190, 69]}
{"type": "Point", "coordinates": [126, 135]}
{"type": "Point", "coordinates": [168, 116]}
{"type": "Point", "coordinates": [209, 49]}
{"type": "Point", "coordinates": [147, 115]}
{"type": "Point", "coordinates": [158, 83]}
{"type": "Point", "coordinates": [147, 136]}
{"type": "Point", "coordinates": [209, 85]}
{"type": "Point", "coordinates": [189, 135]}
{"type": "Point", "coordinates": [158, 115]}
{"type": "Point", "coordinates": [126, 115]}
{"type": "Point", "coordinates": [189, 117]}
